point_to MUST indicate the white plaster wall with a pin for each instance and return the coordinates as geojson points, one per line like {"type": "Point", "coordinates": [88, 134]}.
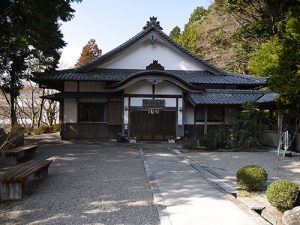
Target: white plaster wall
{"type": "Point", "coordinates": [189, 115]}
{"type": "Point", "coordinates": [144, 52]}
{"type": "Point", "coordinates": [70, 111]}
{"type": "Point", "coordinates": [138, 102]}
{"type": "Point", "coordinates": [70, 86]}
{"type": "Point", "coordinates": [91, 86]}
{"type": "Point", "coordinates": [145, 87]}
{"type": "Point", "coordinates": [179, 113]}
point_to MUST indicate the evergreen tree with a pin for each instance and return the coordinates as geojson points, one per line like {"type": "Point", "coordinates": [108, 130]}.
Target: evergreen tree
{"type": "Point", "coordinates": [279, 58]}
{"type": "Point", "coordinates": [190, 35]}
{"type": "Point", "coordinates": [175, 33]}
{"type": "Point", "coordinates": [89, 52]}
{"type": "Point", "coordinates": [30, 35]}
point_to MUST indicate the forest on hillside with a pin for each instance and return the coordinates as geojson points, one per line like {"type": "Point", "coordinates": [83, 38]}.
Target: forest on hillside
{"type": "Point", "coordinates": [258, 37]}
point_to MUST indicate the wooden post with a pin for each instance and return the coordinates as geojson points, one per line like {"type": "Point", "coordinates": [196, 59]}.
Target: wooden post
{"type": "Point", "coordinates": [205, 121]}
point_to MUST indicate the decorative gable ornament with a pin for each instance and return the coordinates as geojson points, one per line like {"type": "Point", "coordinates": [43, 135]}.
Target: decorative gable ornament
{"type": "Point", "coordinates": [155, 66]}
{"type": "Point", "coordinates": [153, 23]}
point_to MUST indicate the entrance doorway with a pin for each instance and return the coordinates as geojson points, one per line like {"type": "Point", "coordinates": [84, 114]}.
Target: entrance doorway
{"type": "Point", "coordinates": [148, 126]}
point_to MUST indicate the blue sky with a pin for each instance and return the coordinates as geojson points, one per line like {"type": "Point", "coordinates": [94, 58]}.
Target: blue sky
{"type": "Point", "coordinates": [113, 22]}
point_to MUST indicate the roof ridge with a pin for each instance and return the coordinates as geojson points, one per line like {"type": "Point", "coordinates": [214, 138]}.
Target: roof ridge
{"type": "Point", "coordinates": [246, 76]}
{"type": "Point", "coordinates": [238, 91]}
{"type": "Point", "coordinates": [154, 25]}
{"type": "Point", "coordinates": [116, 49]}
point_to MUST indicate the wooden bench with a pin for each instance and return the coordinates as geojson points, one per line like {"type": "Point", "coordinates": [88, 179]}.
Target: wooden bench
{"type": "Point", "coordinates": [18, 154]}
{"type": "Point", "coordinates": [13, 180]}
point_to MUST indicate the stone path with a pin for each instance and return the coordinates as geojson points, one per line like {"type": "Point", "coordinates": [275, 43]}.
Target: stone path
{"type": "Point", "coordinates": [88, 183]}
{"type": "Point", "coordinates": [184, 197]}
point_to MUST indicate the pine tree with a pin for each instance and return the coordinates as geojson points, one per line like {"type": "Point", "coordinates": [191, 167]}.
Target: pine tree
{"type": "Point", "coordinates": [190, 34]}
{"type": "Point", "coordinates": [175, 33]}
{"type": "Point", "coordinates": [89, 52]}
{"type": "Point", "coordinates": [30, 34]}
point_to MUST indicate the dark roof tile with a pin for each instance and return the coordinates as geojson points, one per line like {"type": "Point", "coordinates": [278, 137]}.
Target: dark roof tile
{"type": "Point", "coordinates": [194, 77]}
{"type": "Point", "coordinates": [229, 96]}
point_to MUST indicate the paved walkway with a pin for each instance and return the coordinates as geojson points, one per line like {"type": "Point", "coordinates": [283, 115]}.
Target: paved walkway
{"type": "Point", "coordinates": [184, 197]}
{"type": "Point", "coordinates": [88, 183]}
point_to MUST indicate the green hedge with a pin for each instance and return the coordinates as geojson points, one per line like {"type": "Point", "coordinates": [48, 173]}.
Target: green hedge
{"type": "Point", "coordinates": [251, 177]}
{"type": "Point", "coordinates": [189, 143]}
{"type": "Point", "coordinates": [43, 130]}
{"type": "Point", "coordinates": [282, 194]}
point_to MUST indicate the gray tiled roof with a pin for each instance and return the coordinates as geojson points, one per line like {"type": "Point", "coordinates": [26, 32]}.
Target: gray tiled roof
{"type": "Point", "coordinates": [268, 97]}
{"type": "Point", "coordinates": [229, 96]}
{"type": "Point", "coordinates": [90, 71]}
{"type": "Point", "coordinates": [194, 77]}
{"type": "Point", "coordinates": [104, 58]}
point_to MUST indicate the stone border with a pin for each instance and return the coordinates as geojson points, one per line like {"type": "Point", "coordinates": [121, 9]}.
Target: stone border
{"type": "Point", "coordinates": [226, 186]}
{"type": "Point", "coordinates": [214, 180]}
{"type": "Point", "coordinates": [158, 199]}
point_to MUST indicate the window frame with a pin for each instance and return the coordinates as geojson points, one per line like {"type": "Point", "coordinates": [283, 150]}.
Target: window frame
{"type": "Point", "coordinates": [196, 113]}
{"type": "Point", "coordinates": [219, 109]}
{"type": "Point", "coordinates": [79, 111]}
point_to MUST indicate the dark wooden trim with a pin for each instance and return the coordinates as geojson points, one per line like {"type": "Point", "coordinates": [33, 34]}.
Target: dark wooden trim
{"type": "Point", "coordinates": [176, 116]}
{"type": "Point", "coordinates": [137, 108]}
{"type": "Point", "coordinates": [150, 96]}
{"type": "Point", "coordinates": [94, 103]}
{"type": "Point", "coordinates": [77, 111]}
{"type": "Point", "coordinates": [129, 122]}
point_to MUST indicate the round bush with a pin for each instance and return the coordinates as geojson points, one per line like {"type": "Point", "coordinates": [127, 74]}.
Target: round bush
{"type": "Point", "coordinates": [282, 194]}
{"type": "Point", "coordinates": [190, 143]}
{"type": "Point", "coordinates": [250, 177]}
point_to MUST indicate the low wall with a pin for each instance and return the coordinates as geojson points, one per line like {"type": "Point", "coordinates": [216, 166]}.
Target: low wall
{"type": "Point", "coordinates": [270, 138]}
{"type": "Point", "coordinates": [102, 131]}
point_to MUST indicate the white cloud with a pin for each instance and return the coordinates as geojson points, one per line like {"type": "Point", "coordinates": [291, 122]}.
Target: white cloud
{"type": "Point", "coordinates": [69, 57]}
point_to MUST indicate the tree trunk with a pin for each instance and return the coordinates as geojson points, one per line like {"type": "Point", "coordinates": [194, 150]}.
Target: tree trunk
{"type": "Point", "coordinates": [41, 109]}
{"type": "Point", "coordinates": [13, 98]}
{"type": "Point", "coordinates": [13, 115]}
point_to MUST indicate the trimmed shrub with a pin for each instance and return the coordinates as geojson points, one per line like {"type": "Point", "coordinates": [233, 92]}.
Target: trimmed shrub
{"type": "Point", "coordinates": [282, 194]}
{"type": "Point", "coordinates": [251, 177]}
{"type": "Point", "coordinates": [28, 130]}
{"type": "Point", "coordinates": [43, 130]}
{"type": "Point", "coordinates": [189, 143]}
{"type": "Point", "coordinates": [56, 127]}
{"type": "Point", "coordinates": [209, 141]}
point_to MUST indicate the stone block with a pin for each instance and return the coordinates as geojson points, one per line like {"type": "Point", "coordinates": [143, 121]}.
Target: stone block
{"type": "Point", "coordinates": [292, 217]}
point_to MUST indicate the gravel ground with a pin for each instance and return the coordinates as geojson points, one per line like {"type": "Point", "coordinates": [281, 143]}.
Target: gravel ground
{"type": "Point", "coordinates": [226, 164]}
{"type": "Point", "coordinates": [88, 183]}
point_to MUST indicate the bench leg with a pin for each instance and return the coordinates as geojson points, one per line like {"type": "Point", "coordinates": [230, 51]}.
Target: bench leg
{"type": "Point", "coordinates": [40, 174]}
{"type": "Point", "coordinates": [11, 191]}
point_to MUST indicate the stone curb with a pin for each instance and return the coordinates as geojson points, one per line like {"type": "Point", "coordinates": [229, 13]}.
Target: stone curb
{"type": "Point", "coordinates": [207, 175]}
{"type": "Point", "coordinates": [158, 199]}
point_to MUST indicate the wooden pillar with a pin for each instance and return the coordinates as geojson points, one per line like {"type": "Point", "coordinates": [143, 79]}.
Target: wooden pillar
{"type": "Point", "coordinates": [205, 121]}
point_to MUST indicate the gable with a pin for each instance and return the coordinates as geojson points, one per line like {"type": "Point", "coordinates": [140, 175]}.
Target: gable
{"type": "Point", "coordinates": [145, 88]}
{"type": "Point", "coordinates": [153, 47]}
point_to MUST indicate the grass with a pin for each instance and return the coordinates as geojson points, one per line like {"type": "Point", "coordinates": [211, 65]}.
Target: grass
{"type": "Point", "coordinates": [247, 194]}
